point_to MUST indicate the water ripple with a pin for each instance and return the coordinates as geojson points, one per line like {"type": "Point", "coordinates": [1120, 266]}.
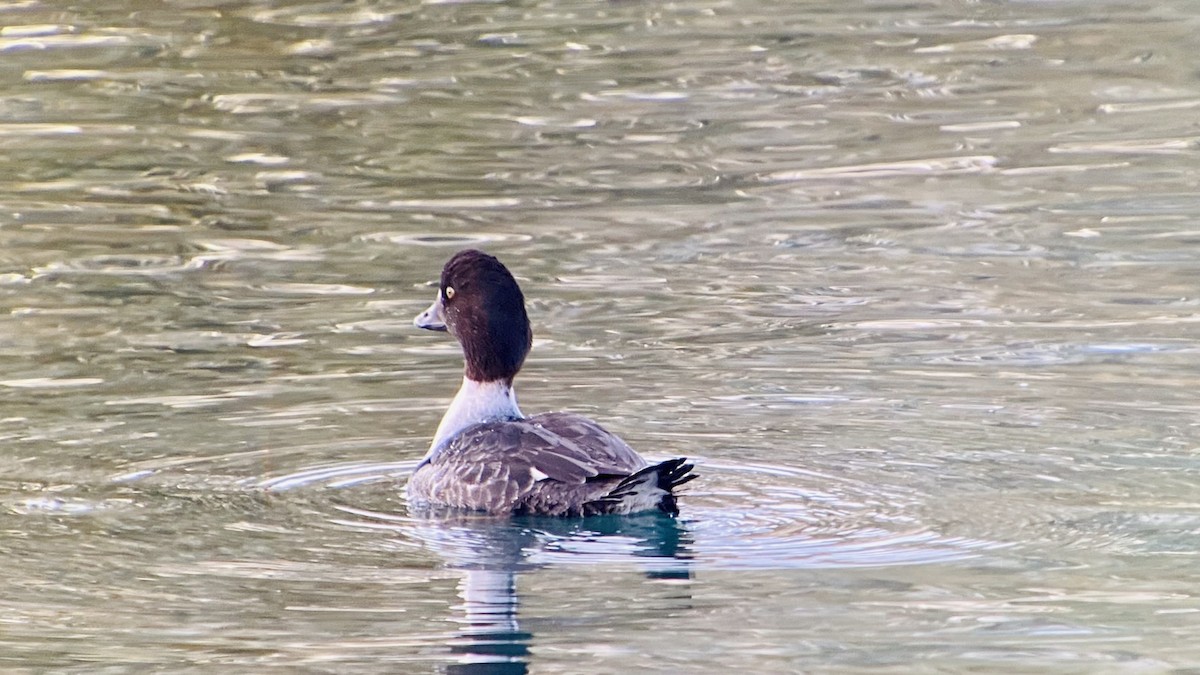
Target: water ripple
{"type": "Point", "coordinates": [1142, 146]}
{"type": "Point", "coordinates": [742, 516]}
{"type": "Point", "coordinates": [932, 166]}
{"type": "Point", "coordinates": [118, 265]}
{"type": "Point", "coordinates": [457, 240]}
{"type": "Point", "coordinates": [263, 103]}
{"type": "Point", "coordinates": [339, 475]}
{"type": "Point", "coordinates": [998, 43]}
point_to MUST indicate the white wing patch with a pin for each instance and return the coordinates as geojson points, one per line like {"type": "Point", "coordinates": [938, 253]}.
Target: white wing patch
{"type": "Point", "coordinates": [538, 474]}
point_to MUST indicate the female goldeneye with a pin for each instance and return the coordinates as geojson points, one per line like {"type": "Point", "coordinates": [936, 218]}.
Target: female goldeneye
{"type": "Point", "coordinates": [486, 455]}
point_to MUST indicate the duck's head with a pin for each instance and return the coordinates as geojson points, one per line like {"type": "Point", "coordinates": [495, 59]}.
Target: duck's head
{"type": "Point", "coordinates": [481, 305]}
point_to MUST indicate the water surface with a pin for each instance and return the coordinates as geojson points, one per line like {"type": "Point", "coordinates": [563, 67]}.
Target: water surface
{"type": "Point", "coordinates": [914, 283]}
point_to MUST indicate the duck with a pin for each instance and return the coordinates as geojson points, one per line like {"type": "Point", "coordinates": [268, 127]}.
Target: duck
{"type": "Point", "coordinates": [486, 455]}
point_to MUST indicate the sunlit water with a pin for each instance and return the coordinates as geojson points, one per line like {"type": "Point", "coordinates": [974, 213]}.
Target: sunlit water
{"type": "Point", "coordinates": [913, 283]}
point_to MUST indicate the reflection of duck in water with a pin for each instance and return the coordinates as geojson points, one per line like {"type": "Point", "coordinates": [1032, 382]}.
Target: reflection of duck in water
{"type": "Point", "coordinates": [492, 551]}
{"type": "Point", "coordinates": [486, 455]}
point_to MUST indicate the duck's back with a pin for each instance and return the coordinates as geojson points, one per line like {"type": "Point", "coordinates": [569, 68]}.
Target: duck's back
{"type": "Point", "coordinates": [551, 464]}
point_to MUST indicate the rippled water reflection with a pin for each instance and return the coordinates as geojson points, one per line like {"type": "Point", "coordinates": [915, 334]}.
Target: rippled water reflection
{"type": "Point", "coordinates": [913, 282]}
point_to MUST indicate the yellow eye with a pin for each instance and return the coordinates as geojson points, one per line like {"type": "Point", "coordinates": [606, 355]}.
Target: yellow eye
{"type": "Point", "coordinates": [449, 292]}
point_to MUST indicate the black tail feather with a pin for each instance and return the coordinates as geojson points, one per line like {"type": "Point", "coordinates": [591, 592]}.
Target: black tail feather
{"type": "Point", "coordinates": [668, 476]}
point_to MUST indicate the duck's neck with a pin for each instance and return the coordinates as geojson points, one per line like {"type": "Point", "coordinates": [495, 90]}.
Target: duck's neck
{"type": "Point", "coordinates": [476, 402]}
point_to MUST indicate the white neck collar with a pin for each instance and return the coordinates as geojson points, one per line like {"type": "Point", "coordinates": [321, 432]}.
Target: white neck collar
{"type": "Point", "coordinates": [475, 402]}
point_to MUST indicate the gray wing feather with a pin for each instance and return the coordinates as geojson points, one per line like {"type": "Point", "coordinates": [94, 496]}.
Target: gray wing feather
{"type": "Point", "coordinates": [494, 466]}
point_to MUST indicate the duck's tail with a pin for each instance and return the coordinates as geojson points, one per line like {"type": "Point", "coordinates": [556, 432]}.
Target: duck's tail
{"type": "Point", "coordinates": [650, 489]}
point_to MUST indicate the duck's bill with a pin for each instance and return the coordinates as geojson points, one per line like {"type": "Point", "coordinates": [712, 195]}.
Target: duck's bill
{"type": "Point", "coordinates": [432, 318]}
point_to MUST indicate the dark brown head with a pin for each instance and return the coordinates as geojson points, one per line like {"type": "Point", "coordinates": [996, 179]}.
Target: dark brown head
{"type": "Point", "coordinates": [481, 305]}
